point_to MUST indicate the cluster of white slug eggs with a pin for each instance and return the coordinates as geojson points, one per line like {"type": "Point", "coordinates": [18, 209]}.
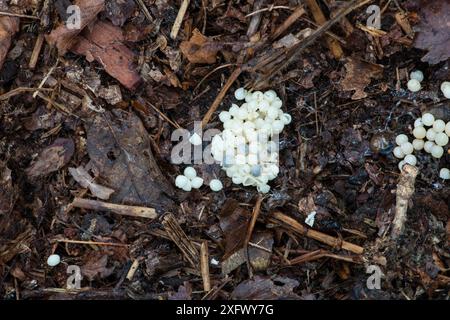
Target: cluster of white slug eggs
{"type": "Point", "coordinates": [431, 135]}
{"type": "Point", "coordinates": [416, 77]}
{"type": "Point", "coordinates": [189, 180]}
{"type": "Point", "coordinates": [246, 148]}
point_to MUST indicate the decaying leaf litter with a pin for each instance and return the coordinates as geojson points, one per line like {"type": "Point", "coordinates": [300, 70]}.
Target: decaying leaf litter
{"type": "Point", "coordinates": [85, 145]}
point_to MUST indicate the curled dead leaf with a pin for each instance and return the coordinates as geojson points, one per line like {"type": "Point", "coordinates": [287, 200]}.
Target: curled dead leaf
{"type": "Point", "coordinates": [199, 49]}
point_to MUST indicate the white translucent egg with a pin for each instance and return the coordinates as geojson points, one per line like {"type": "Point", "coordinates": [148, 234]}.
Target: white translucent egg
{"type": "Point", "coordinates": [444, 173]}
{"type": "Point", "coordinates": [447, 129]}
{"type": "Point", "coordinates": [197, 182]}
{"type": "Point", "coordinates": [263, 188]}
{"type": "Point", "coordinates": [401, 139]}
{"type": "Point", "coordinates": [215, 185]}
{"type": "Point", "coordinates": [272, 112]}
{"type": "Point", "coordinates": [401, 164]}
{"type": "Point", "coordinates": [53, 260]}
{"type": "Point", "coordinates": [428, 119]}
{"type": "Point", "coordinates": [441, 139]}
{"type": "Point", "coordinates": [257, 95]}
{"type": "Point", "coordinates": [414, 85]}
{"type": "Point", "coordinates": [277, 126]}
{"type": "Point", "coordinates": [237, 179]}
{"type": "Point", "coordinates": [420, 132]}
{"type": "Point", "coordinates": [418, 144]}
{"type": "Point", "coordinates": [445, 88]}
{"type": "Point", "coordinates": [242, 114]}
{"type": "Point", "coordinates": [234, 110]}
{"type": "Point", "coordinates": [224, 116]}
{"type": "Point", "coordinates": [439, 125]}
{"type": "Point", "coordinates": [407, 148]}
{"type": "Point", "coordinates": [411, 159]}
{"type": "Point", "coordinates": [195, 139]}
{"type": "Point", "coordinates": [428, 146]}
{"type": "Point", "coordinates": [264, 106]}
{"type": "Point", "coordinates": [187, 187]}
{"type": "Point", "coordinates": [431, 134]}
{"type": "Point", "coordinates": [418, 123]}
{"type": "Point", "coordinates": [286, 118]}
{"type": "Point", "coordinates": [240, 94]}
{"type": "Point", "coordinates": [190, 173]}
{"type": "Point", "coordinates": [181, 181]}
{"type": "Point", "coordinates": [417, 75]}
{"type": "Point", "coordinates": [270, 95]}
{"type": "Point", "coordinates": [437, 151]}
{"type": "Point", "coordinates": [398, 153]}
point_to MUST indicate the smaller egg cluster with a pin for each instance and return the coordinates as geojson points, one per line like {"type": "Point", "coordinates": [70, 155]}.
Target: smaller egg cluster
{"type": "Point", "coordinates": [189, 180]}
{"type": "Point", "coordinates": [431, 135]}
{"type": "Point", "coordinates": [415, 79]}
{"type": "Point", "coordinates": [245, 149]}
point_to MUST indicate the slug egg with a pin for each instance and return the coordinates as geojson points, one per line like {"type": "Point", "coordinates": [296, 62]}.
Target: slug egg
{"type": "Point", "coordinates": [270, 95]}
{"type": "Point", "coordinates": [398, 153]}
{"type": "Point", "coordinates": [439, 125]}
{"type": "Point", "coordinates": [418, 144]}
{"type": "Point", "coordinates": [447, 129]}
{"type": "Point", "coordinates": [431, 135]}
{"type": "Point", "coordinates": [428, 119]}
{"type": "Point", "coordinates": [272, 112]}
{"type": "Point", "coordinates": [444, 173]}
{"type": "Point", "coordinates": [401, 164]}
{"type": "Point", "coordinates": [190, 173]}
{"type": "Point", "coordinates": [428, 146]}
{"type": "Point", "coordinates": [419, 132]}
{"type": "Point", "coordinates": [410, 159]}
{"type": "Point", "coordinates": [53, 260]}
{"type": "Point", "coordinates": [416, 75]}
{"type": "Point", "coordinates": [195, 139]}
{"type": "Point", "coordinates": [263, 188]}
{"type": "Point", "coordinates": [234, 110]}
{"type": "Point", "coordinates": [441, 139]}
{"type": "Point", "coordinates": [418, 123]}
{"type": "Point", "coordinates": [197, 182]}
{"type": "Point", "coordinates": [445, 88]}
{"type": "Point", "coordinates": [414, 85]}
{"type": "Point", "coordinates": [187, 187]}
{"type": "Point", "coordinates": [181, 181]}
{"type": "Point", "coordinates": [215, 185]}
{"type": "Point", "coordinates": [401, 139]}
{"type": "Point", "coordinates": [407, 148]}
{"type": "Point", "coordinates": [437, 151]}
{"type": "Point", "coordinates": [240, 94]}
{"type": "Point", "coordinates": [257, 95]}
{"type": "Point", "coordinates": [224, 116]}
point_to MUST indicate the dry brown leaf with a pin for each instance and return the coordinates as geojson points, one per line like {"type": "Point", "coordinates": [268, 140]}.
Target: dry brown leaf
{"type": "Point", "coordinates": [359, 75]}
{"type": "Point", "coordinates": [52, 158]}
{"type": "Point", "coordinates": [434, 30]}
{"type": "Point", "coordinates": [96, 266]}
{"type": "Point", "coordinates": [199, 49]}
{"type": "Point", "coordinates": [63, 37]}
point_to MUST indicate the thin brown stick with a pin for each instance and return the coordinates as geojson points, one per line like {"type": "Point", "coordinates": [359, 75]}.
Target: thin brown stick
{"type": "Point", "coordinates": [318, 254]}
{"type": "Point", "coordinates": [251, 226]}
{"type": "Point", "coordinates": [220, 96]}
{"type": "Point", "coordinates": [177, 24]}
{"type": "Point", "coordinates": [12, 14]}
{"type": "Point", "coordinates": [270, 8]}
{"type": "Point", "coordinates": [292, 224]}
{"type": "Point", "coordinates": [132, 211]}
{"type": "Point", "coordinates": [145, 10]}
{"type": "Point", "coordinates": [98, 243]}
{"type": "Point", "coordinates": [36, 51]}
{"type": "Point", "coordinates": [20, 90]}
{"type": "Point", "coordinates": [204, 264]}
{"type": "Point", "coordinates": [298, 12]}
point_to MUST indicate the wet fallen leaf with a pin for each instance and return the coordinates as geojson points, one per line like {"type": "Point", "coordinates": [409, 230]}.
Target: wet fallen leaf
{"type": "Point", "coordinates": [95, 267]}
{"type": "Point", "coordinates": [358, 76]}
{"type": "Point", "coordinates": [119, 148]}
{"type": "Point", "coordinates": [199, 49]}
{"type": "Point", "coordinates": [261, 288]}
{"type": "Point", "coordinates": [86, 181]}
{"type": "Point", "coordinates": [433, 31]}
{"type": "Point", "coordinates": [52, 158]}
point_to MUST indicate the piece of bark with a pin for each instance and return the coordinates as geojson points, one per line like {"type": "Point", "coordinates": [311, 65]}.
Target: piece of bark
{"type": "Point", "coordinates": [8, 28]}
{"type": "Point", "coordinates": [103, 43]}
{"type": "Point", "coordinates": [86, 181]}
{"type": "Point", "coordinates": [62, 37]}
{"type": "Point", "coordinates": [405, 190]}
{"type": "Point", "coordinates": [132, 211]}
